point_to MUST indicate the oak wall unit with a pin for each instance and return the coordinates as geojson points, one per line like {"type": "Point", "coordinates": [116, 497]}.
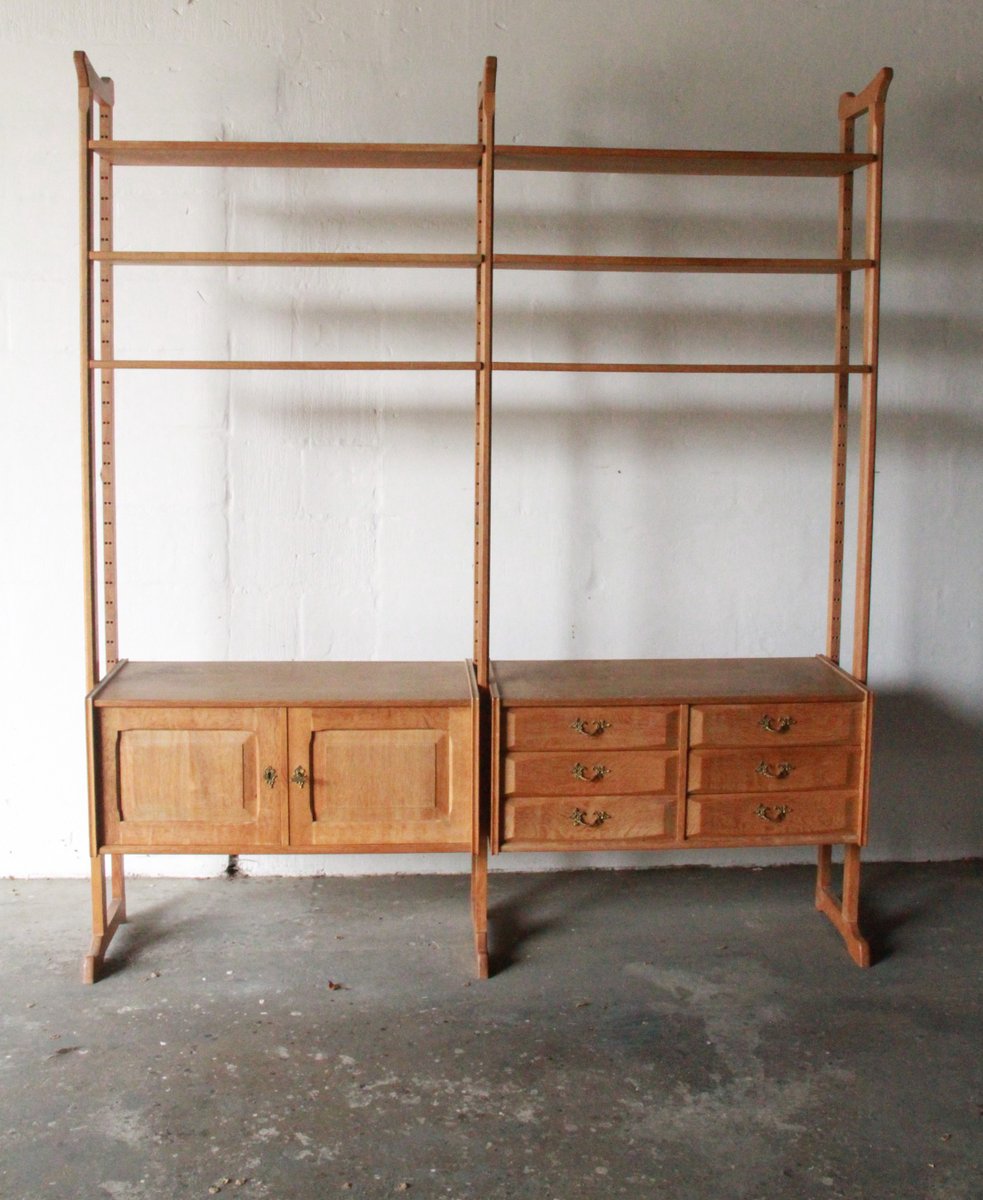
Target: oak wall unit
{"type": "Point", "coordinates": [541, 755]}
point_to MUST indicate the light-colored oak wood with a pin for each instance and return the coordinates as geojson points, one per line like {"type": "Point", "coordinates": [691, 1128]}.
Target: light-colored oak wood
{"type": "Point", "coordinates": [585, 775]}
{"type": "Point", "coordinates": [252, 258]}
{"type": "Point", "coordinates": [591, 728]}
{"type": "Point", "coordinates": [870, 100]}
{"type": "Point", "coordinates": [640, 681]}
{"type": "Point", "coordinates": [290, 154]}
{"type": "Point", "coordinates": [803, 815]}
{"type": "Point", "coordinates": [548, 823]}
{"type": "Point", "coordinates": [603, 160]}
{"type": "Point", "coordinates": [770, 769]}
{"type": "Point", "coordinates": [107, 390]}
{"type": "Point", "coordinates": [277, 684]}
{"type": "Point", "coordinates": [218, 364]}
{"type": "Point", "coordinates": [100, 88]}
{"type": "Point", "coordinates": [380, 776]}
{"type": "Point", "coordinates": [716, 266]}
{"type": "Point", "coordinates": [193, 777]}
{"type": "Point", "coordinates": [843, 913]}
{"type": "Point", "coordinates": [686, 368]}
{"type": "Point", "coordinates": [776, 727]}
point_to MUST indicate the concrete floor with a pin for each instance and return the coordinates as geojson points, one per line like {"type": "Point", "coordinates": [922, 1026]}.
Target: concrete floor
{"type": "Point", "coordinates": [668, 1033]}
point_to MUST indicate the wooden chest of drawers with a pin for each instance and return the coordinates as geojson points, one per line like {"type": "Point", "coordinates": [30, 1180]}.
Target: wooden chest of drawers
{"type": "Point", "coordinates": [659, 754]}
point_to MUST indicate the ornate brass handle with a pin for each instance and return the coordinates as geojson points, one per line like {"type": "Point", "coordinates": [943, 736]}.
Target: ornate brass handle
{"type": "Point", "coordinates": [782, 725]}
{"type": "Point", "coordinates": [598, 771]}
{"type": "Point", "coordinates": [590, 728]}
{"type": "Point", "coordinates": [270, 777]}
{"type": "Point", "coordinates": [299, 777]}
{"type": "Point", "coordinates": [579, 817]}
{"type": "Point", "coordinates": [774, 814]}
{"type": "Point", "coordinates": [782, 771]}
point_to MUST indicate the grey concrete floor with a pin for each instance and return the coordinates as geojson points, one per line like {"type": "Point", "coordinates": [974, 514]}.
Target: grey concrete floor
{"type": "Point", "coordinates": [666, 1033]}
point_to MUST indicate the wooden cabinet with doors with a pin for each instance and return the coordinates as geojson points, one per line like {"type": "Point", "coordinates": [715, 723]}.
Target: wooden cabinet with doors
{"type": "Point", "coordinates": [262, 757]}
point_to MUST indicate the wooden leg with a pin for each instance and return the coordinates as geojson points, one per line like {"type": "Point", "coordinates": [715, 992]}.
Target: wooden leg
{"type": "Point", "coordinates": [118, 884]}
{"type": "Point", "coordinates": [105, 920]}
{"type": "Point", "coordinates": [479, 907]}
{"type": "Point", "coordinates": [843, 912]}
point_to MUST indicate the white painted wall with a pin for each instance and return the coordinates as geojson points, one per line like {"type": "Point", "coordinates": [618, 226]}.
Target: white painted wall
{"type": "Point", "coordinates": [321, 516]}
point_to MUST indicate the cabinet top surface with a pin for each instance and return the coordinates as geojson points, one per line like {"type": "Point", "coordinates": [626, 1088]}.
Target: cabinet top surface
{"type": "Point", "coordinates": [301, 684]}
{"type": "Point", "coordinates": [671, 680]}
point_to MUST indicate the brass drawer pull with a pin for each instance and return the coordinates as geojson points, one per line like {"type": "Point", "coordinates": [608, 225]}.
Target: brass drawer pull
{"type": "Point", "coordinates": [579, 817]}
{"type": "Point", "coordinates": [299, 777]}
{"type": "Point", "coordinates": [270, 777]}
{"type": "Point", "coordinates": [774, 814]}
{"type": "Point", "coordinates": [782, 725]}
{"type": "Point", "coordinates": [590, 728]}
{"type": "Point", "coordinates": [579, 771]}
{"type": "Point", "coordinates": [782, 771]}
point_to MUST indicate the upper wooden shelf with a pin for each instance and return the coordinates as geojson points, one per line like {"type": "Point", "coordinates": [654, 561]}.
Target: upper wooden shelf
{"type": "Point", "coordinates": [675, 162]}
{"type": "Point", "coordinates": [287, 154]}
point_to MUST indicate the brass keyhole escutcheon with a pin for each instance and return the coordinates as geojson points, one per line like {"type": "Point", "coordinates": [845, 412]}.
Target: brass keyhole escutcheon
{"type": "Point", "coordinates": [781, 771]}
{"type": "Point", "coordinates": [782, 725]}
{"type": "Point", "coordinates": [598, 771]}
{"type": "Point", "coordinates": [299, 777]}
{"type": "Point", "coordinates": [590, 728]}
{"type": "Point", "coordinates": [270, 777]}
{"type": "Point", "coordinates": [579, 817]}
{"type": "Point", "coordinates": [775, 813]}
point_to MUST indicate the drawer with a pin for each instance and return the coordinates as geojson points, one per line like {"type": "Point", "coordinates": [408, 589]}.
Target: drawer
{"type": "Point", "coordinates": [831, 814]}
{"type": "Point", "coordinates": [815, 723]}
{"type": "Point", "coordinates": [587, 775]}
{"type": "Point", "coordinates": [770, 769]}
{"type": "Point", "coordinates": [590, 727]}
{"type": "Point", "coordinates": [575, 823]}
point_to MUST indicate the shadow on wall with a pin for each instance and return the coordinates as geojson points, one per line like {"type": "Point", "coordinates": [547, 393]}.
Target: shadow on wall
{"type": "Point", "coordinates": [926, 779]}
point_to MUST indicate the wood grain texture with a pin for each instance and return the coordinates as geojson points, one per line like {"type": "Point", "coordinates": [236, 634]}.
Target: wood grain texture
{"type": "Point", "coordinates": [603, 160]}
{"type": "Point", "coordinates": [808, 815]}
{"type": "Point", "coordinates": [608, 773]}
{"type": "Point", "coordinates": [669, 681]}
{"type": "Point", "coordinates": [310, 684]}
{"type": "Point", "coordinates": [290, 154]}
{"type": "Point", "coordinates": [789, 723]}
{"type": "Point", "coordinates": [790, 768]}
{"type": "Point", "coordinates": [591, 728]}
{"type": "Point", "coordinates": [545, 823]}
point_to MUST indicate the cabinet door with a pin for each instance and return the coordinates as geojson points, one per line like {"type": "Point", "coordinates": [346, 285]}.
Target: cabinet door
{"type": "Point", "coordinates": [196, 779]}
{"type": "Point", "coordinates": [381, 778]}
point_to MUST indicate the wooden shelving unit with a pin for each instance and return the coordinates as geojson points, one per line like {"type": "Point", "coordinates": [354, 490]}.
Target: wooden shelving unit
{"type": "Point", "coordinates": [660, 754]}
{"type": "Point", "coordinates": [341, 757]}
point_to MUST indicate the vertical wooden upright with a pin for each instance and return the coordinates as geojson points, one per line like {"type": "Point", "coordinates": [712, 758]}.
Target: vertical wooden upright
{"type": "Point", "coordinates": [871, 101]}
{"type": "Point", "coordinates": [98, 457]}
{"type": "Point", "coordinates": [482, 506]}
{"type": "Point", "coordinates": [844, 911]}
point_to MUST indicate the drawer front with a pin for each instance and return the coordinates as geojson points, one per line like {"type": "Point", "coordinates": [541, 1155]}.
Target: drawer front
{"type": "Point", "coordinates": [768, 769]}
{"type": "Point", "coordinates": [777, 724]}
{"type": "Point", "coordinates": [589, 728]}
{"type": "Point", "coordinates": [573, 823]}
{"type": "Point", "coordinates": [584, 776]}
{"type": "Point", "coordinates": [205, 779]}
{"type": "Point", "coordinates": [792, 815]}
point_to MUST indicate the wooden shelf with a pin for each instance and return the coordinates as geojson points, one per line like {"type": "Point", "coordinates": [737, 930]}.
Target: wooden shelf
{"type": "Point", "coordinates": [603, 160]}
{"type": "Point", "coordinates": [671, 680]}
{"type": "Point", "coordinates": [168, 258]}
{"type": "Point", "coordinates": [689, 368]}
{"type": "Point", "coordinates": [220, 364]}
{"type": "Point", "coordinates": [287, 154]}
{"type": "Point", "coordinates": [741, 266]}
{"type": "Point", "coordinates": [274, 684]}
